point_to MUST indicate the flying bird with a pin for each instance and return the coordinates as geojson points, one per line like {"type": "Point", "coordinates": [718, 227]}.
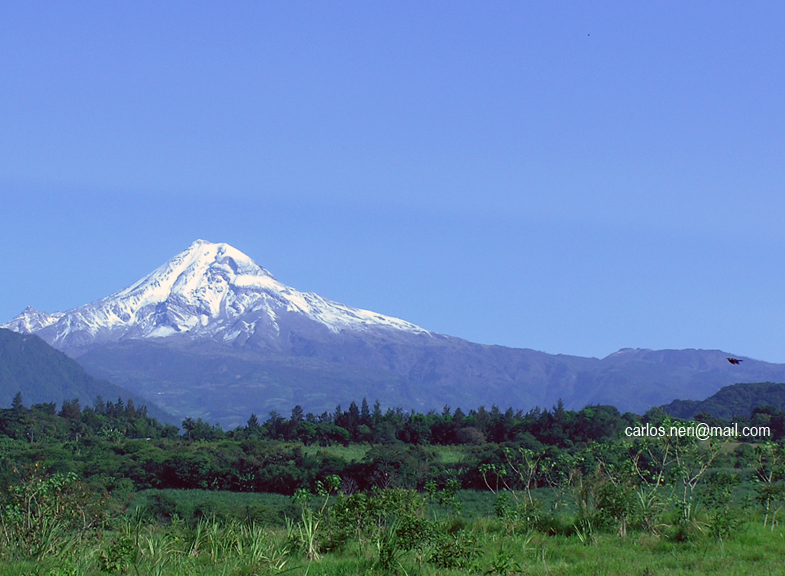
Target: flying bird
{"type": "Point", "coordinates": [734, 360]}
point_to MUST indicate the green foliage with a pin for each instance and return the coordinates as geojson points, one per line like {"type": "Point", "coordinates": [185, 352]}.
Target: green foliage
{"type": "Point", "coordinates": [395, 536]}
{"type": "Point", "coordinates": [504, 564]}
{"type": "Point", "coordinates": [387, 507]}
{"type": "Point", "coordinates": [44, 515]}
{"type": "Point", "coordinates": [454, 550]}
{"type": "Point", "coordinates": [722, 518]}
{"type": "Point", "coordinates": [192, 505]}
{"type": "Point", "coordinates": [731, 402]}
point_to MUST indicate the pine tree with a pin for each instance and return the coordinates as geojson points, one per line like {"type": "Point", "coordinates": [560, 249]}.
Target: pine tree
{"type": "Point", "coordinates": [70, 409]}
{"type": "Point", "coordinates": [365, 413]}
{"type": "Point", "coordinates": [294, 421]}
{"type": "Point", "coordinates": [16, 403]}
{"type": "Point", "coordinates": [297, 415]}
{"type": "Point", "coordinates": [354, 415]}
{"type": "Point", "coordinates": [377, 413]}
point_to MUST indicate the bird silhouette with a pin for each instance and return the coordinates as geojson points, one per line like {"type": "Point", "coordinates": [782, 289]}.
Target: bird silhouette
{"type": "Point", "coordinates": [734, 360]}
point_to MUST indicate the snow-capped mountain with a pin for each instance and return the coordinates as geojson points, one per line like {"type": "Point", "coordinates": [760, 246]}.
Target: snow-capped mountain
{"type": "Point", "coordinates": [32, 320]}
{"type": "Point", "coordinates": [209, 290]}
{"type": "Point", "coordinates": [212, 334]}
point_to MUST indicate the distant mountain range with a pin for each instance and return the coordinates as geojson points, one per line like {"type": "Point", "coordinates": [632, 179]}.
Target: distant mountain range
{"type": "Point", "coordinates": [42, 374]}
{"type": "Point", "coordinates": [212, 334]}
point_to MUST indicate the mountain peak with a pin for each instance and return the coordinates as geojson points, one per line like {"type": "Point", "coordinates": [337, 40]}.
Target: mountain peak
{"type": "Point", "coordinates": [212, 248]}
{"type": "Point", "coordinates": [210, 290]}
{"type": "Point", "coordinates": [200, 276]}
{"type": "Point", "coordinates": [32, 320]}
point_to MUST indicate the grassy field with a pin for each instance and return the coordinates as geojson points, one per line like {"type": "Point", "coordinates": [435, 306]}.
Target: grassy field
{"type": "Point", "coordinates": [356, 452]}
{"type": "Point", "coordinates": [273, 509]}
{"type": "Point", "coordinates": [450, 454]}
{"type": "Point", "coordinates": [185, 532]}
{"type": "Point", "coordinates": [220, 549]}
{"type": "Point", "coordinates": [188, 505]}
{"type": "Point", "coordinates": [351, 453]}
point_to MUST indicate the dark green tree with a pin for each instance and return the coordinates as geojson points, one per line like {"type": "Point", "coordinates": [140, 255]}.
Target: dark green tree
{"type": "Point", "coordinates": [71, 410]}
{"type": "Point", "coordinates": [365, 413]}
{"type": "Point", "coordinates": [16, 403]}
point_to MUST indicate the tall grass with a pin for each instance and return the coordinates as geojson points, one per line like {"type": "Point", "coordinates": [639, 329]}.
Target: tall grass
{"type": "Point", "coordinates": [213, 547]}
{"type": "Point", "coordinates": [191, 505]}
{"type": "Point", "coordinates": [49, 529]}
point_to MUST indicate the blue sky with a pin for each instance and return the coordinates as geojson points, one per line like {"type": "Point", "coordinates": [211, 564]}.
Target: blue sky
{"type": "Point", "coordinates": [569, 177]}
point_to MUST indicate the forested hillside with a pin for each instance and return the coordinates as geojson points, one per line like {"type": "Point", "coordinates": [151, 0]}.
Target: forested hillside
{"type": "Point", "coordinates": [43, 374]}
{"type": "Point", "coordinates": [734, 401]}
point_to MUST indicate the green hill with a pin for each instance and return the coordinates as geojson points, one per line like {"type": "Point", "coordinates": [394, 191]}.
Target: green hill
{"type": "Point", "coordinates": [738, 400]}
{"type": "Point", "coordinates": [42, 374]}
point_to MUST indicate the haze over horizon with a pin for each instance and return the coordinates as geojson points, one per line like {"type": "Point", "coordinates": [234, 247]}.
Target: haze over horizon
{"type": "Point", "coordinates": [572, 179]}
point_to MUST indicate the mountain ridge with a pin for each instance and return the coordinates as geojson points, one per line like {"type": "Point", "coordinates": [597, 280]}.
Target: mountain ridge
{"type": "Point", "coordinates": [213, 334]}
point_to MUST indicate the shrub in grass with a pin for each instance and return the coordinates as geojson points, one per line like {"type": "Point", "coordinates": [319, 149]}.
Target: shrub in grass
{"type": "Point", "coordinates": [46, 515]}
{"type": "Point", "coordinates": [722, 518]}
{"type": "Point", "coordinates": [454, 550]}
{"type": "Point", "coordinates": [161, 506]}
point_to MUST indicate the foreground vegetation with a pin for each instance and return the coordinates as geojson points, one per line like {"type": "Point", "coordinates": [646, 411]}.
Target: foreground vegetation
{"type": "Point", "coordinates": [108, 490]}
{"type": "Point", "coordinates": [389, 531]}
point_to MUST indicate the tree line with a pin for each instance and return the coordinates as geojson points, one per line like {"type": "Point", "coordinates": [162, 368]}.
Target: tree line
{"type": "Point", "coordinates": [116, 445]}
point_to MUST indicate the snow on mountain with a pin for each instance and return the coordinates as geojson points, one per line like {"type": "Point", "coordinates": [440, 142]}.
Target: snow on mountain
{"type": "Point", "coordinates": [209, 290]}
{"type": "Point", "coordinates": [32, 320]}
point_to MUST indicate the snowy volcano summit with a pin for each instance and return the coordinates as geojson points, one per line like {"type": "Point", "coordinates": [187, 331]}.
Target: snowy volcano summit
{"type": "Point", "coordinates": [208, 291]}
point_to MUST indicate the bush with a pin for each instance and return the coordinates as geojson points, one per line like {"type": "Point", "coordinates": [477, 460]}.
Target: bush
{"type": "Point", "coordinates": [45, 515]}
{"type": "Point", "coordinates": [454, 550]}
{"type": "Point", "coordinates": [162, 506]}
